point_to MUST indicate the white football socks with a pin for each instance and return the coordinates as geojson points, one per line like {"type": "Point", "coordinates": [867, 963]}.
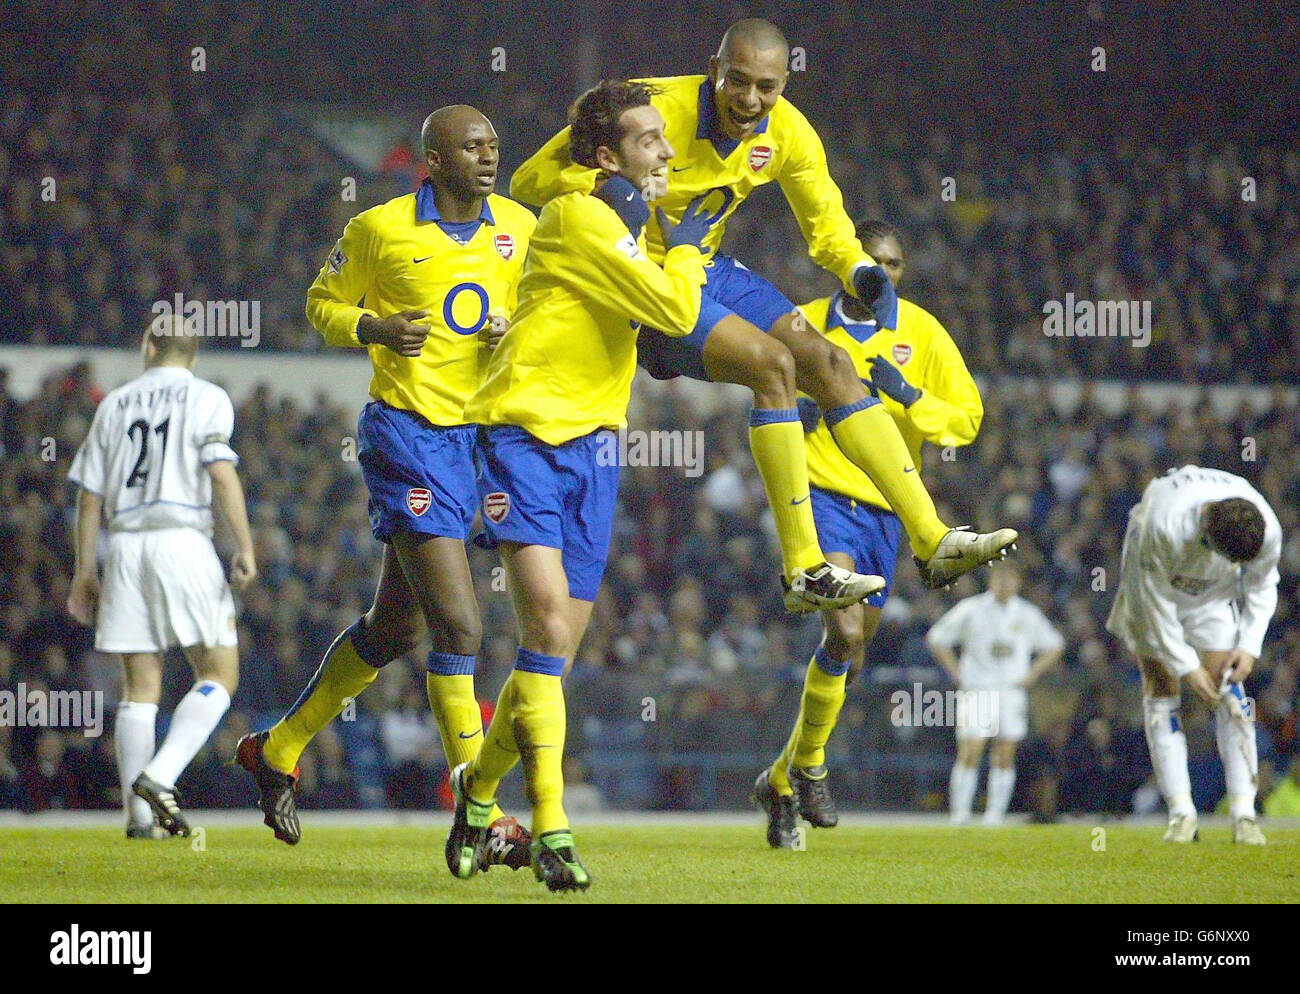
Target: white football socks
{"type": "Point", "coordinates": [196, 717]}
{"type": "Point", "coordinates": [961, 792]}
{"type": "Point", "coordinates": [1234, 732]}
{"type": "Point", "coordinates": [1001, 783]}
{"type": "Point", "coordinates": [133, 744]}
{"type": "Point", "coordinates": [1167, 744]}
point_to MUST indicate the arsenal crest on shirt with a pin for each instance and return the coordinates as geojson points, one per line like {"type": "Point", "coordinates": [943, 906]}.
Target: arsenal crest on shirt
{"type": "Point", "coordinates": [902, 353]}
{"type": "Point", "coordinates": [505, 245]}
{"type": "Point", "coordinates": [759, 156]}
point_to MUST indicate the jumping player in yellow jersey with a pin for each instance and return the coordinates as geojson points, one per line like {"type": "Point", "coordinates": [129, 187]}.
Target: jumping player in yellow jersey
{"type": "Point", "coordinates": [923, 384]}
{"type": "Point", "coordinates": [734, 132]}
{"type": "Point", "coordinates": [437, 273]}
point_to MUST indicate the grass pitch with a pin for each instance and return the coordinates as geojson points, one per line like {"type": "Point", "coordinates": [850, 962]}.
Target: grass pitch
{"type": "Point", "coordinates": [676, 863]}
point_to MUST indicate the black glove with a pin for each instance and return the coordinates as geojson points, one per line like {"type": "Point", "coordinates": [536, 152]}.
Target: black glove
{"type": "Point", "coordinates": [809, 413]}
{"type": "Point", "coordinates": [874, 288]}
{"type": "Point", "coordinates": [890, 382]}
{"type": "Point", "coordinates": [692, 229]}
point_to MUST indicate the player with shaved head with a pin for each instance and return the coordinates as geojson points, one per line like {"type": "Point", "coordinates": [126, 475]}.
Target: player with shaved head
{"type": "Point", "coordinates": [436, 273]}
{"type": "Point", "coordinates": [734, 132]}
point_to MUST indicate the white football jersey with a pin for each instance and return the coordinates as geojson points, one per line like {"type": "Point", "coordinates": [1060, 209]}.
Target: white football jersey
{"type": "Point", "coordinates": [997, 640]}
{"type": "Point", "coordinates": [1177, 571]}
{"type": "Point", "coordinates": [148, 447]}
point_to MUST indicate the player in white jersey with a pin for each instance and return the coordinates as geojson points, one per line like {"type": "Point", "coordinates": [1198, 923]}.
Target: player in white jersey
{"type": "Point", "coordinates": [157, 453]}
{"type": "Point", "coordinates": [1198, 587]}
{"type": "Point", "coordinates": [1006, 644]}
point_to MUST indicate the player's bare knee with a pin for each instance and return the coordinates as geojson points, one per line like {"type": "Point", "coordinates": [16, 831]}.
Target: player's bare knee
{"type": "Point", "coordinates": [461, 633]}
{"type": "Point", "coordinates": [548, 632]}
{"type": "Point", "coordinates": [772, 376]}
{"type": "Point", "coordinates": [827, 374]}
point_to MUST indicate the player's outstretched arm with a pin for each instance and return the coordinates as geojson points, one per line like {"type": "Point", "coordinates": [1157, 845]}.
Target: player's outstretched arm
{"type": "Point", "coordinates": [549, 172]}
{"type": "Point", "coordinates": [83, 594]}
{"type": "Point", "coordinates": [228, 493]}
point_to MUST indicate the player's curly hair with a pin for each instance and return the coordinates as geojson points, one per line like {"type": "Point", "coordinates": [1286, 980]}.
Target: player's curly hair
{"type": "Point", "coordinates": [870, 229]}
{"type": "Point", "coordinates": [594, 116]}
{"type": "Point", "coordinates": [1236, 528]}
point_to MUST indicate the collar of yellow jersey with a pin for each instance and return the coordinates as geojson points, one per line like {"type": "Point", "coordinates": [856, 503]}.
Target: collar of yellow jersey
{"type": "Point", "coordinates": [837, 317]}
{"type": "Point", "coordinates": [426, 208]}
{"type": "Point", "coordinates": [708, 126]}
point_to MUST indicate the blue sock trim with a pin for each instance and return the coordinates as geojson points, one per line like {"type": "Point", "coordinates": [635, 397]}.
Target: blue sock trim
{"type": "Point", "coordinates": [759, 416]}
{"type": "Point", "coordinates": [450, 664]}
{"type": "Point", "coordinates": [537, 662]}
{"type": "Point", "coordinates": [829, 666]}
{"type": "Point", "coordinates": [834, 417]}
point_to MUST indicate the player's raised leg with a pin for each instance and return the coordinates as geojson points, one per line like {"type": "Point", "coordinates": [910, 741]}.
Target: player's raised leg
{"type": "Point", "coordinates": [134, 735]}
{"type": "Point", "coordinates": [870, 439]}
{"type": "Point", "coordinates": [737, 352]}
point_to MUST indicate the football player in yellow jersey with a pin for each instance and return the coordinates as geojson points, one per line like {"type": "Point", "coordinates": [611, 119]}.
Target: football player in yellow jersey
{"type": "Point", "coordinates": [436, 272]}
{"type": "Point", "coordinates": [556, 391]}
{"type": "Point", "coordinates": [921, 379]}
{"type": "Point", "coordinates": [734, 132]}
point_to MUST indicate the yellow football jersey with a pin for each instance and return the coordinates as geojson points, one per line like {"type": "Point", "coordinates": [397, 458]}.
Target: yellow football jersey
{"type": "Point", "coordinates": [948, 412]}
{"type": "Point", "coordinates": [565, 367]}
{"type": "Point", "coordinates": [396, 257]}
{"type": "Point", "coordinates": [784, 147]}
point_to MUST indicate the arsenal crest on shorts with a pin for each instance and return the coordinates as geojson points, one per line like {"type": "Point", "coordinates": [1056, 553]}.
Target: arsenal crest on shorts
{"type": "Point", "coordinates": [505, 245]}
{"type": "Point", "coordinates": [496, 506]}
{"type": "Point", "coordinates": [759, 156]}
{"type": "Point", "coordinates": [418, 500]}
{"type": "Point", "coordinates": [902, 353]}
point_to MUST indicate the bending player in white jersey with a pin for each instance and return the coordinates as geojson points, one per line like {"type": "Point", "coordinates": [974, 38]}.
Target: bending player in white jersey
{"type": "Point", "coordinates": [157, 454]}
{"type": "Point", "coordinates": [1006, 644]}
{"type": "Point", "coordinates": [1198, 587]}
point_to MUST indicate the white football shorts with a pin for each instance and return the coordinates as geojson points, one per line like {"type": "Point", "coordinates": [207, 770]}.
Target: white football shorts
{"type": "Point", "coordinates": [993, 713]}
{"type": "Point", "coordinates": [163, 588]}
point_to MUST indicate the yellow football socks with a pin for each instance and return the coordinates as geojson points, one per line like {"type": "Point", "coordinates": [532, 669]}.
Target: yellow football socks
{"type": "Point", "coordinates": [342, 675]}
{"type": "Point", "coordinates": [869, 438]}
{"type": "Point", "coordinates": [530, 718]}
{"type": "Point", "coordinates": [450, 688]}
{"type": "Point", "coordinates": [819, 709]}
{"type": "Point", "coordinates": [776, 441]}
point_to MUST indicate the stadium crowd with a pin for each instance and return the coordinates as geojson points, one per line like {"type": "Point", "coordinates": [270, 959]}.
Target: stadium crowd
{"type": "Point", "coordinates": [184, 183]}
{"type": "Point", "coordinates": [682, 684]}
